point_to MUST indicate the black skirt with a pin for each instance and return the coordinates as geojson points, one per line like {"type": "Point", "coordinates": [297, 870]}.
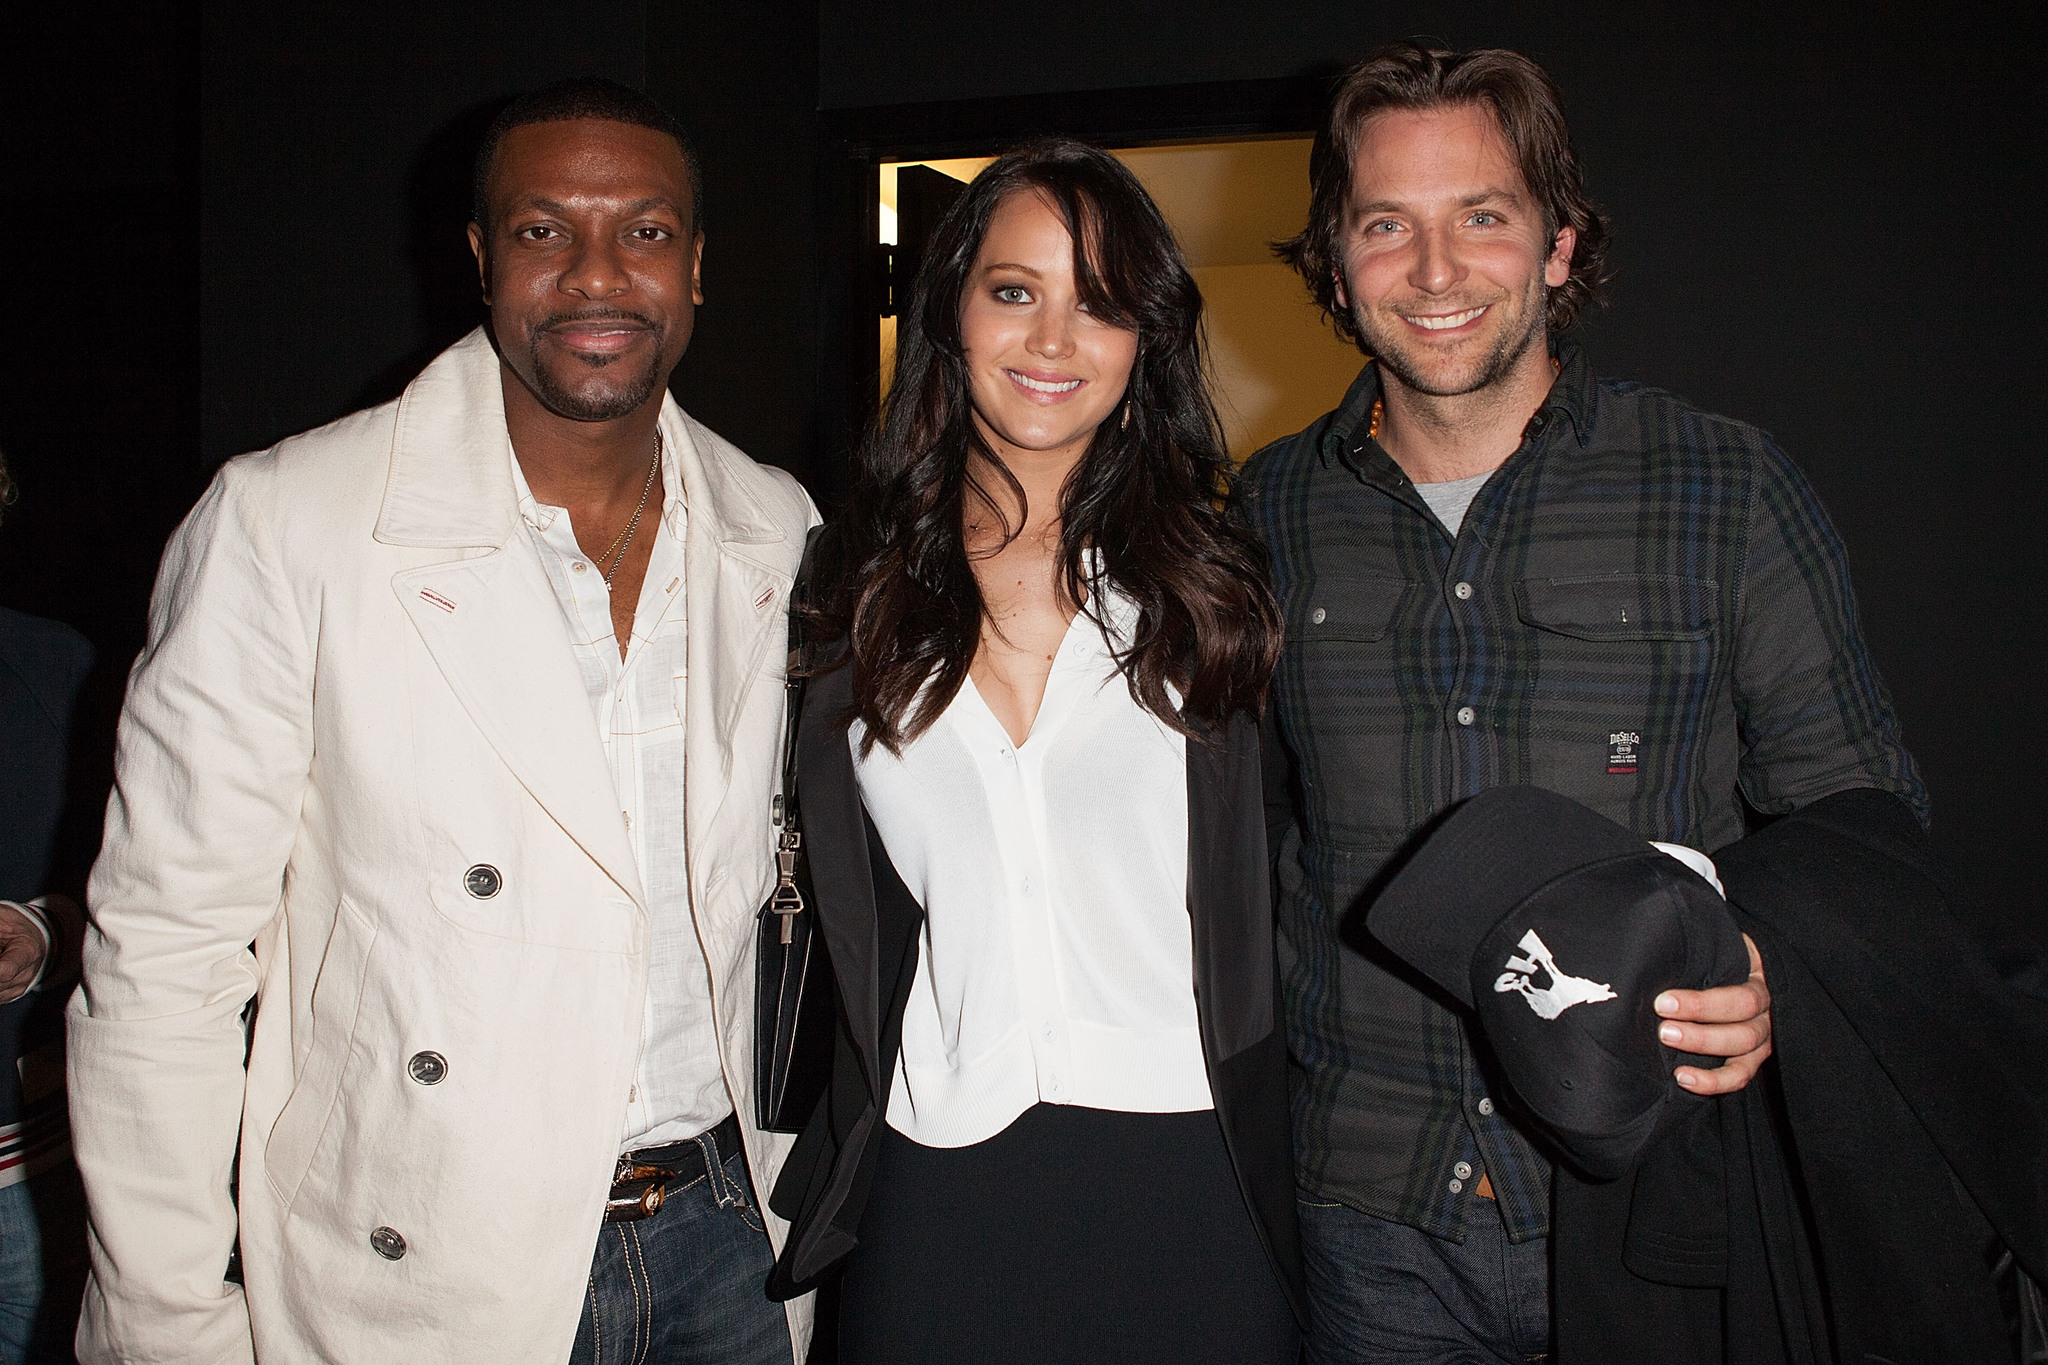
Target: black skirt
{"type": "Point", "coordinates": [1074, 1235]}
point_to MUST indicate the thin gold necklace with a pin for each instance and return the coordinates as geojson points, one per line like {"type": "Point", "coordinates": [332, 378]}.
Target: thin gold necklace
{"type": "Point", "coordinates": [620, 545]}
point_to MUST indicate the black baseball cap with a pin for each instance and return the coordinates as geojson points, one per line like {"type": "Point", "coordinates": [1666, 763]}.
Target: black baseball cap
{"type": "Point", "coordinates": [1559, 928]}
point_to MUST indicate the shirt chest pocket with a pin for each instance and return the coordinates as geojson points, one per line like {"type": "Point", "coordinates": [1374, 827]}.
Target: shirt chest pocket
{"type": "Point", "coordinates": [1331, 610]}
{"type": "Point", "coordinates": [1620, 608]}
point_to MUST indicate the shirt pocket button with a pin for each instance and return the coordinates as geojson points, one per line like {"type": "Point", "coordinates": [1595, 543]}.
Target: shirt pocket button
{"type": "Point", "coordinates": [482, 881]}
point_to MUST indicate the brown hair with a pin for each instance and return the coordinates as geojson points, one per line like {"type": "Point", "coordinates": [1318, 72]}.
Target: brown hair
{"type": "Point", "coordinates": [1526, 104]}
{"type": "Point", "coordinates": [1144, 497]}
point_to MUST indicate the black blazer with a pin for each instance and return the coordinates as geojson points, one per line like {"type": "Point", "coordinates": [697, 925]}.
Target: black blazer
{"type": "Point", "coordinates": [870, 923]}
{"type": "Point", "coordinates": [42, 665]}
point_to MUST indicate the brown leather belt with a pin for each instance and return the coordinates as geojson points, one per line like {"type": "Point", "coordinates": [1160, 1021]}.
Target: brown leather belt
{"type": "Point", "coordinates": [641, 1182]}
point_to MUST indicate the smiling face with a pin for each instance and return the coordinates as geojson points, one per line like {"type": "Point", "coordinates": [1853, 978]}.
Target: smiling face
{"type": "Point", "coordinates": [590, 263]}
{"type": "Point", "coordinates": [1042, 370]}
{"type": "Point", "coordinates": [1446, 259]}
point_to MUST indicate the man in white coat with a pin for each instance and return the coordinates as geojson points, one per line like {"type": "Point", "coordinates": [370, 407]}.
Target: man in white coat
{"type": "Point", "coordinates": [441, 819]}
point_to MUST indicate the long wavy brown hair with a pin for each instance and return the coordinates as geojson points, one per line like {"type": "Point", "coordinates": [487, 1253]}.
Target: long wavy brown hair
{"type": "Point", "coordinates": [1149, 496]}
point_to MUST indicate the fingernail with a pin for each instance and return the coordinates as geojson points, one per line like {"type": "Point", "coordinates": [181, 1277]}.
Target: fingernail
{"type": "Point", "coordinates": [1669, 1032]}
{"type": "Point", "coordinates": [1666, 1003]}
{"type": "Point", "coordinates": [1686, 1078]}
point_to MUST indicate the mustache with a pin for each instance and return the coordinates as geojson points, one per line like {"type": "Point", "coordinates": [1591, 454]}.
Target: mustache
{"type": "Point", "coordinates": [555, 320]}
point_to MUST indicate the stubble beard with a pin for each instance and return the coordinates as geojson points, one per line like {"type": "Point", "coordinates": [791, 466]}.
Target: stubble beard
{"type": "Point", "coordinates": [1388, 346]}
{"type": "Point", "coordinates": [607, 405]}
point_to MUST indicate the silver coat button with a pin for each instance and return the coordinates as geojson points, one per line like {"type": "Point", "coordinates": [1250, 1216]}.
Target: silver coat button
{"type": "Point", "coordinates": [1466, 715]}
{"type": "Point", "coordinates": [428, 1068]}
{"type": "Point", "coordinates": [387, 1243]}
{"type": "Point", "coordinates": [1318, 616]}
{"type": "Point", "coordinates": [482, 881]}
{"type": "Point", "coordinates": [1463, 1170]}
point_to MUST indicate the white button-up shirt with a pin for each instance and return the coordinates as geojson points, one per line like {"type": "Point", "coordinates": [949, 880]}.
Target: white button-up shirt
{"type": "Point", "coordinates": [1056, 961]}
{"type": "Point", "coordinates": [637, 702]}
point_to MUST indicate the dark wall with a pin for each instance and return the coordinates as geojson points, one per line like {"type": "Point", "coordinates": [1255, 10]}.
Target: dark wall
{"type": "Point", "coordinates": [741, 79]}
{"type": "Point", "coordinates": [99, 417]}
{"type": "Point", "coordinates": [1823, 227]}
{"type": "Point", "coordinates": [336, 148]}
{"type": "Point", "coordinates": [337, 145]}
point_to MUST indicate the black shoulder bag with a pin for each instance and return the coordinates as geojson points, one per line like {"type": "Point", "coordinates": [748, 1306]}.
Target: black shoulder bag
{"type": "Point", "coordinates": [793, 991]}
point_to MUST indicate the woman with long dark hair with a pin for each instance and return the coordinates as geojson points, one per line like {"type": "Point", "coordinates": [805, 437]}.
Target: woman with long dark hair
{"type": "Point", "coordinates": [1056, 1127]}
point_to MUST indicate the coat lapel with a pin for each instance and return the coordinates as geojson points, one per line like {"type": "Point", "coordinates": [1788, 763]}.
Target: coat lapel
{"type": "Point", "coordinates": [1229, 896]}
{"type": "Point", "coordinates": [843, 880]}
{"type": "Point", "coordinates": [490, 620]}
{"type": "Point", "coordinates": [736, 595]}
{"type": "Point", "coordinates": [496, 631]}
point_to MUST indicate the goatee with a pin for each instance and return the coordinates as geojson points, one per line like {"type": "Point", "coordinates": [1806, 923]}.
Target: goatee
{"type": "Point", "coordinates": [1388, 349]}
{"type": "Point", "coordinates": [608, 404]}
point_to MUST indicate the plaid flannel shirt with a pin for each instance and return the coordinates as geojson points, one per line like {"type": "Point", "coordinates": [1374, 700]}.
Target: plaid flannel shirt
{"type": "Point", "coordinates": [1645, 610]}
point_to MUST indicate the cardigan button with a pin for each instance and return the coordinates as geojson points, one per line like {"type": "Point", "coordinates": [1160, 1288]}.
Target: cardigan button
{"type": "Point", "coordinates": [387, 1242]}
{"type": "Point", "coordinates": [428, 1068]}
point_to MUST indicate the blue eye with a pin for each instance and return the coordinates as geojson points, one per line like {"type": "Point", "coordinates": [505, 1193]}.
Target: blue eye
{"type": "Point", "coordinates": [1484, 219]}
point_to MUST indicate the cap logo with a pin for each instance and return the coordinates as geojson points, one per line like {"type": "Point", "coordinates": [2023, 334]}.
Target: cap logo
{"type": "Point", "coordinates": [1561, 994]}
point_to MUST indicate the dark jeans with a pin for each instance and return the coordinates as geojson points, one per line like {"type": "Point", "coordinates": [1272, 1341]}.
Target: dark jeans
{"type": "Point", "coordinates": [1381, 1293]}
{"type": "Point", "coordinates": [685, 1287]}
{"type": "Point", "coordinates": [21, 1271]}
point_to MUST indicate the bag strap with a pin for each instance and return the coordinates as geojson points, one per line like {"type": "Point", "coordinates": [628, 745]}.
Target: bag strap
{"type": "Point", "coordinates": [788, 901]}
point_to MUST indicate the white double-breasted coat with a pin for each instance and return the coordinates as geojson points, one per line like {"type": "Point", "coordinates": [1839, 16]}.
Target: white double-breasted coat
{"type": "Point", "coordinates": [357, 688]}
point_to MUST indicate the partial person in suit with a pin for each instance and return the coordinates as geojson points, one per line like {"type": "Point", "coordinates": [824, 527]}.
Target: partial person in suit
{"type": "Point", "coordinates": [463, 712]}
{"type": "Point", "coordinates": [42, 665]}
{"type": "Point", "coordinates": [1056, 1125]}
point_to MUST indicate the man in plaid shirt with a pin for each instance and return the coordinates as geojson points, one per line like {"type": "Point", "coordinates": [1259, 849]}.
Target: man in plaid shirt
{"type": "Point", "coordinates": [1497, 568]}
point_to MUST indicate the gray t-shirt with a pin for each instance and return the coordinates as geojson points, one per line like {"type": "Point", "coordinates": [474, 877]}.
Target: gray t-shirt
{"type": "Point", "coordinates": [1449, 500]}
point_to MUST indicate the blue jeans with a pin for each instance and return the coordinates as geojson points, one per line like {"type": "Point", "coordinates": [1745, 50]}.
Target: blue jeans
{"type": "Point", "coordinates": [687, 1286]}
{"type": "Point", "coordinates": [21, 1271]}
{"type": "Point", "coordinates": [1381, 1293]}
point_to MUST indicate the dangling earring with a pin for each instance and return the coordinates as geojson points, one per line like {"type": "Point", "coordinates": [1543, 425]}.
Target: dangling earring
{"type": "Point", "coordinates": [1125, 425]}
